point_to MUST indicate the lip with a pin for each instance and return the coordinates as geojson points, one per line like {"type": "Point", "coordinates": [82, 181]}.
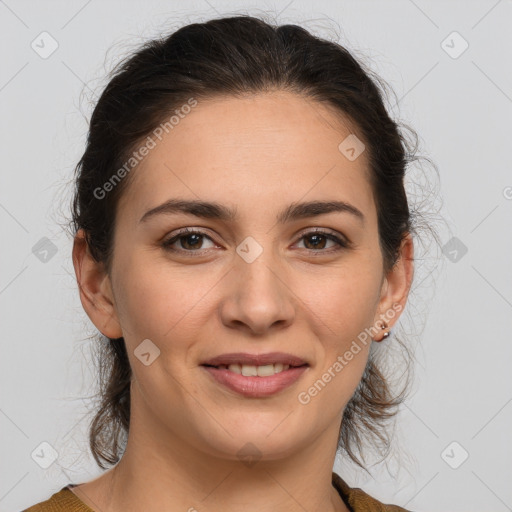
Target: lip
{"type": "Point", "coordinates": [255, 359]}
{"type": "Point", "coordinates": [256, 387]}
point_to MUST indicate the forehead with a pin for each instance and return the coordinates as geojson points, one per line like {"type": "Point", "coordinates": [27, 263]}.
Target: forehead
{"type": "Point", "coordinates": [256, 150]}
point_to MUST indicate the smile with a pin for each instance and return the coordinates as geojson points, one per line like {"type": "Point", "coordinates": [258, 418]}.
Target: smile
{"type": "Point", "coordinates": [248, 370]}
{"type": "Point", "coordinates": [255, 381]}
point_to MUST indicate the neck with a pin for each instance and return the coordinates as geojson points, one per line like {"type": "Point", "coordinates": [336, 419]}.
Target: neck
{"type": "Point", "coordinates": [156, 475]}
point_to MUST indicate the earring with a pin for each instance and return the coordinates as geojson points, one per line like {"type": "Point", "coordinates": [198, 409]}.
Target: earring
{"type": "Point", "coordinates": [384, 335]}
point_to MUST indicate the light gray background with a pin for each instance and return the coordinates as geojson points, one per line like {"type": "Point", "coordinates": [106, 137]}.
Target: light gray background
{"type": "Point", "coordinates": [461, 107]}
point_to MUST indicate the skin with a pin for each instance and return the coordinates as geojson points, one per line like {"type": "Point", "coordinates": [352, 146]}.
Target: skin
{"type": "Point", "coordinates": [258, 154]}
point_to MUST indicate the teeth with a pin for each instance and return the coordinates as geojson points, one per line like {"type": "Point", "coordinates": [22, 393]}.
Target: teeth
{"type": "Point", "coordinates": [265, 371]}
{"type": "Point", "coordinates": [235, 368]}
{"type": "Point", "coordinates": [248, 370]}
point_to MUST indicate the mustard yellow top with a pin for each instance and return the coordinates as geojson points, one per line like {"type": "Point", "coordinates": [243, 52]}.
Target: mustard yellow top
{"type": "Point", "coordinates": [355, 499]}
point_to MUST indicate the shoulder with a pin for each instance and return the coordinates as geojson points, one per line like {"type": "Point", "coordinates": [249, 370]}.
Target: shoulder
{"type": "Point", "coordinates": [62, 501]}
{"type": "Point", "coordinates": [359, 501]}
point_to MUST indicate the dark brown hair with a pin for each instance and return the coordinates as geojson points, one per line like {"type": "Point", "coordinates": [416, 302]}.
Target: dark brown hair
{"type": "Point", "coordinates": [235, 56]}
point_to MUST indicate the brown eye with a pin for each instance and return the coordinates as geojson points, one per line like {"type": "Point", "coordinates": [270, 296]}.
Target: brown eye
{"type": "Point", "coordinates": [190, 241]}
{"type": "Point", "coordinates": [317, 240]}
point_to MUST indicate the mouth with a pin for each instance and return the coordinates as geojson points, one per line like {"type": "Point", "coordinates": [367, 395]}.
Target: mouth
{"type": "Point", "coordinates": [256, 376]}
{"type": "Point", "coordinates": [249, 370]}
{"type": "Point", "coordinates": [246, 359]}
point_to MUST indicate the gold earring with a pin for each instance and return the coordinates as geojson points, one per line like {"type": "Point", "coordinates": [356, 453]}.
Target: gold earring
{"type": "Point", "coordinates": [384, 335]}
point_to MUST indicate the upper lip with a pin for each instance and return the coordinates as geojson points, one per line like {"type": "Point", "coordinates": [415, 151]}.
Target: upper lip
{"type": "Point", "coordinates": [255, 359]}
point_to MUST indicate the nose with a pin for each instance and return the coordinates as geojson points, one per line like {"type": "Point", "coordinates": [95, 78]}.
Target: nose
{"type": "Point", "coordinates": [257, 298]}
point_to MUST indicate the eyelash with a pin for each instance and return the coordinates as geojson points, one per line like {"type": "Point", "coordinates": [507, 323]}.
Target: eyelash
{"type": "Point", "coordinates": [343, 244]}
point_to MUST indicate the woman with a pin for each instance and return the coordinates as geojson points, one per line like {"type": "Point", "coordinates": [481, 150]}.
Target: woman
{"type": "Point", "coordinates": [242, 237]}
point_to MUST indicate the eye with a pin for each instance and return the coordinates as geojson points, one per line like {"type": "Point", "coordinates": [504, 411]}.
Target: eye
{"type": "Point", "coordinates": [189, 239]}
{"type": "Point", "coordinates": [192, 241]}
{"type": "Point", "coordinates": [318, 239]}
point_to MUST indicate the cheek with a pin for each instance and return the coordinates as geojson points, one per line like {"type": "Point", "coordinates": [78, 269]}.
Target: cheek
{"type": "Point", "coordinates": [343, 301]}
{"type": "Point", "coordinates": [155, 297]}
{"type": "Point", "coordinates": [159, 300]}
{"type": "Point", "coordinates": [163, 305]}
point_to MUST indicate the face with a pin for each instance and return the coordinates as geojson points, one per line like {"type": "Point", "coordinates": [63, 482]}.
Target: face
{"type": "Point", "coordinates": [306, 284]}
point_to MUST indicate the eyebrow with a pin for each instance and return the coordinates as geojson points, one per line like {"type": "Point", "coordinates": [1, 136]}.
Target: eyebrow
{"type": "Point", "coordinates": [214, 210]}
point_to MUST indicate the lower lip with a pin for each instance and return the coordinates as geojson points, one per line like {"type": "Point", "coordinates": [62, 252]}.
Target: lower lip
{"type": "Point", "coordinates": [256, 387]}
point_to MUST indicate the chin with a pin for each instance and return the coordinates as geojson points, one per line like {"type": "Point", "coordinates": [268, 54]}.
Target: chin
{"type": "Point", "coordinates": [265, 438]}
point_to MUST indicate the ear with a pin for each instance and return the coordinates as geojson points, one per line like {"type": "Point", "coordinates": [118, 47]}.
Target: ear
{"type": "Point", "coordinates": [95, 289]}
{"type": "Point", "coordinates": [395, 288]}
